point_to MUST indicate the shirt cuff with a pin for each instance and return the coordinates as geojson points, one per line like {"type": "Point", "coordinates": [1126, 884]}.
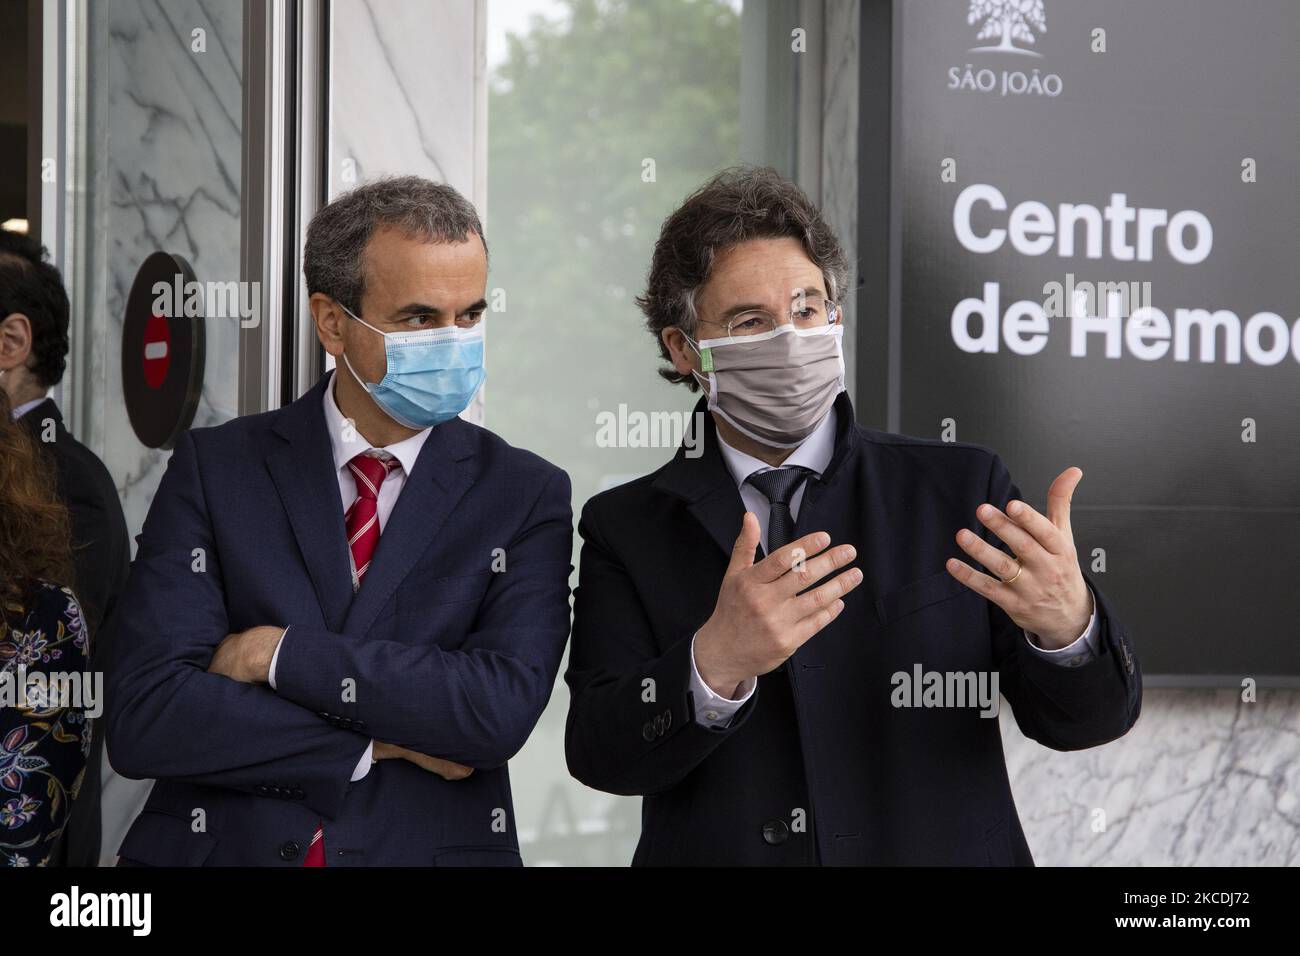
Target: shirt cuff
{"type": "Point", "coordinates": [270, 673]}
{"type": "Point", "coordinates": [1081, 651]}
{"type": "Point", "coordinates": [363, 765]}
{"type": "Point", "coordinates": [714, 710]}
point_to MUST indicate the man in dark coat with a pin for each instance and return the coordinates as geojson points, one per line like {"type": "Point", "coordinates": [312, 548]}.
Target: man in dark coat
{"type": "Point", "coordinates": [777, 642]}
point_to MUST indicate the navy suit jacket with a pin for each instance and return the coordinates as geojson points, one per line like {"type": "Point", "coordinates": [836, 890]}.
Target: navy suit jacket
{"type": "Point", "coordinates": [450, 648]}
{"type": "Point", "coordinates": [818, 766]}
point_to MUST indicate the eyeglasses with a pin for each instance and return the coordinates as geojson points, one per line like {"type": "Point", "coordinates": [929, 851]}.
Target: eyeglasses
{"type": "Point", "coordinates": [807, 313]}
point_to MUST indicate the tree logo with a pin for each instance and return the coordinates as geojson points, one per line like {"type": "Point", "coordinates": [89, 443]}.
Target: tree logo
{"type": "Point", "coordinates": [1008, 20]}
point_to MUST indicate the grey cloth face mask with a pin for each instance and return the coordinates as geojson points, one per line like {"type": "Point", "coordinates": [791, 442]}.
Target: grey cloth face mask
{"type": "Point", "coordinates": [776, 387]}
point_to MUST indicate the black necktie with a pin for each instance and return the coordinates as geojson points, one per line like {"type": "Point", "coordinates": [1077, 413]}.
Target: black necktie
{"type": "Point", "coordinates": [778, 487]}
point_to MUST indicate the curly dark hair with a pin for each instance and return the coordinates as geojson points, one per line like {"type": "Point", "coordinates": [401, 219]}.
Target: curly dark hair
{"type": "Point", "coordinates": [35, 527]}
{"type": "Point", "coordinates": [31, 285]}
{"type": "Point", "coordinates": [738, 204]}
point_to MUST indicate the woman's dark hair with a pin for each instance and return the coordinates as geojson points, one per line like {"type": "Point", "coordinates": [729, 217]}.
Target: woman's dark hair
{"type": "Point", "coordinates": [35, 528]}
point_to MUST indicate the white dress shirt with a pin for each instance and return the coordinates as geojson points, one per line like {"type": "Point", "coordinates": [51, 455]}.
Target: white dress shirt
{"type": "Point", "coordinates": [346, 443]}
{"type": "Point", "coordinates": [714, 710]}
{"type": "Point", "coordinates": [21, 410]}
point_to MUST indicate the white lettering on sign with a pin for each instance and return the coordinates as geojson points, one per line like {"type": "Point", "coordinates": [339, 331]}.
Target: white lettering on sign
{"type": "Point", "coordinates": [1034, 228]}
{"type": "Point", "coordinates": [984, 222]}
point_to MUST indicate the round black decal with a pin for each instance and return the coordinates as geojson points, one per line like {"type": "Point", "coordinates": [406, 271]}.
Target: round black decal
{"type": "Point", "coordinates": [162, 349]}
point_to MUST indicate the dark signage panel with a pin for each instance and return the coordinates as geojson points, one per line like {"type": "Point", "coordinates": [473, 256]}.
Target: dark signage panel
{"type": "Point", "coordinates": [1099, 227]}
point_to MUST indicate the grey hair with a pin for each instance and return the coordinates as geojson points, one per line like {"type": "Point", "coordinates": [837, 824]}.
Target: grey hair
{"type": "Point", "coordinates": [735, 206]}
{"type": "Point", "coordinates": [334, 254]}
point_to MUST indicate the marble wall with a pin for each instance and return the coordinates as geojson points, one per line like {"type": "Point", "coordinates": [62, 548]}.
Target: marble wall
{"type": "Point", "coordinates": [408, 95]}
{"type": "Point", "coordinates": [162, 172]}
{"type": "Point", "coordinates": [1203, 779]}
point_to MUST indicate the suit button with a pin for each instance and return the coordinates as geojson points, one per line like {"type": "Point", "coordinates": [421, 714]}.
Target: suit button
{"type": "Point", "coordinates": [775, 832]}
{"type": "Point", "coordinates": [262, 790]}
{"type": "Point", "coordinates": [659, 725]}
{"type": "Point", "coordinates": [345, 723]}
{"type": "Point", "coordinates": [668, 719]}
{"type": "Point", "coordinates": [323, 714]}
{"type": "Point", "coordinates": [358, 725]}
{"type": "Point", "coordinates": [648, 731]}
{"type": "Point", "coordinates": [297, 794]}
{"type": "Point", "coordinates": [289, 850]}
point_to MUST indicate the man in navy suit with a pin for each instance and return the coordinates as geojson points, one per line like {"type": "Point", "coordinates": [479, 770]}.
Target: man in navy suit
{"type": "Point", "coordinates": [346, 615]}
{"type": "Point", "coordinates": [776, 642]}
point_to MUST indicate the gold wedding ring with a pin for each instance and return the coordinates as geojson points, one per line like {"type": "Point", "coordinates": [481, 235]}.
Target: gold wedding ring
{"type": "Point", "coordinates": [1019, 570]}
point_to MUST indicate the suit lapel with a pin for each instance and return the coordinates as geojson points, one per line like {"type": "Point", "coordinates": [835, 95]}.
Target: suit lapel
{"type": "Point", "coordinates": [443, 473]}
{"type": "Point", "coordinates": [705, 484]}
{"type": "Point", "coordinates": [846, 445]}
{"type": "Point", "coordinates": [303, 471]}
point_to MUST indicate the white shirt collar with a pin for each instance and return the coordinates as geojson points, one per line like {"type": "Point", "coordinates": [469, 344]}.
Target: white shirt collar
{"type": "Point", "coordinates": [405, 451]}
{"type": "Point", "coordinates": [26, 407]}
{"type": "Point", "coordinates": [814, 454]}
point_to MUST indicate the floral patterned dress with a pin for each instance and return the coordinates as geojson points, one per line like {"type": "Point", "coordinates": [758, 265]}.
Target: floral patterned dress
{"type": "Point", "coordinates": [43, 740]}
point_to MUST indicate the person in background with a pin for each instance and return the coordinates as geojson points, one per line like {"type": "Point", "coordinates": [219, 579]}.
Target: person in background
{"type": "Point", "coordinates": [33, 355]}
{"type": "Point", "coordinates": [44, 739]}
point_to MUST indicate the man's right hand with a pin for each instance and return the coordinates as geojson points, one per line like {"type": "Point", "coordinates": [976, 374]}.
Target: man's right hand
{"type": "Point", "coordinates": [447, 769]}
{"type": "Point", "coordinates": [761, 618]}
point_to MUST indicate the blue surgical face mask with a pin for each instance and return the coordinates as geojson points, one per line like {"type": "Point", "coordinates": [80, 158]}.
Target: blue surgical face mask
{"type": "Point", "coordinates": [432, 374]}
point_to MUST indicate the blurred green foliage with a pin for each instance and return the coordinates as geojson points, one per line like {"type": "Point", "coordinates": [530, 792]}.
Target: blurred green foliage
{"type": "Point", "coordinates": [574, 111]}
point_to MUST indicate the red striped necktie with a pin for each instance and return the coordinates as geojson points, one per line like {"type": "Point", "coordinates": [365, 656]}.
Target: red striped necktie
{"type": "Point", "coordinates": [362, 521]}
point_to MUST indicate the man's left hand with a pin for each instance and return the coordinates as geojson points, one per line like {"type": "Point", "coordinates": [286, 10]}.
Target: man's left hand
{"type": "Point", "coordinates": [246, 656]}
{"type": "Point", "coordinates": [1050, 598]}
